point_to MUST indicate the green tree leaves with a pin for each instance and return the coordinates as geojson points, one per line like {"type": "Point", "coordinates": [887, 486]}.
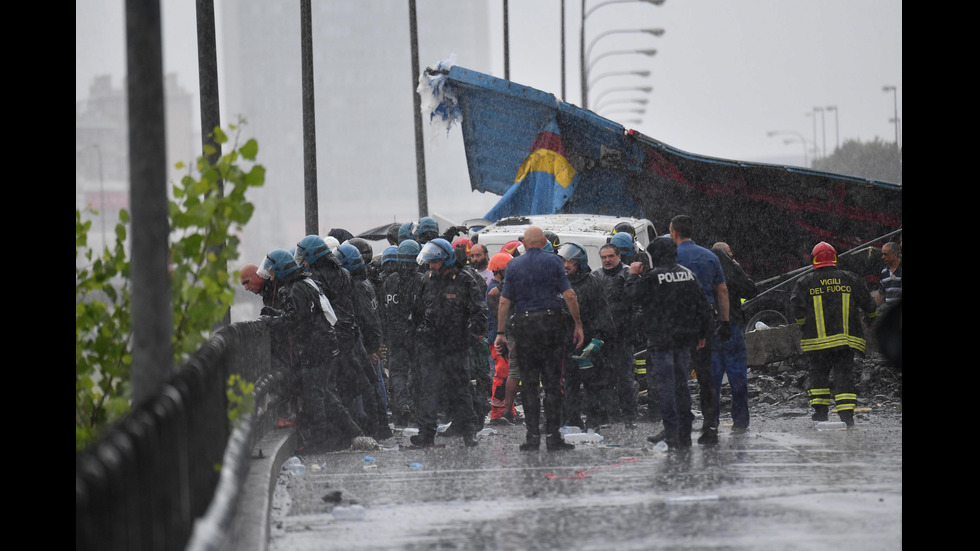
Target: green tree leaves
{"type": "Point", "coordinates": [207, 213]}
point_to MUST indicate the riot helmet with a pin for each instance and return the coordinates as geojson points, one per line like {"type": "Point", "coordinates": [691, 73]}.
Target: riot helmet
{"type": "Point", "coordinates": [408, 251]}
{"type": "Point", "coordinates": [624, 244]}
{"type": "Point", "coordinates": [277, 264]}
{"type": "Point", "coordinates": [367, 252]}
{"type": "Point", "coordinates": [575, 252]}
{"type": "Point", "coordinates": [310, 249]}
{"type": "Point", "coordinates": [350, 257]}
{"type": "Point", "coordinates": [437, 249]}
{"type": "Point", "coordinates": [428, 229]}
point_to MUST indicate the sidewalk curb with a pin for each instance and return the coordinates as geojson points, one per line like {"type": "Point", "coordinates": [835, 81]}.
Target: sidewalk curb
{"type": "Point", "coordinates": [251, 528]}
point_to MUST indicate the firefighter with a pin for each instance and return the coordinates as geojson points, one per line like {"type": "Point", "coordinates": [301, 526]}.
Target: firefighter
{"type": "Point", "coordinates": [827, 304]}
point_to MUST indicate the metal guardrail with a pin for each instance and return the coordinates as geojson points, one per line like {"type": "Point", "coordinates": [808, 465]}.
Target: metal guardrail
{"type": "Point", "coordinates": [149, 478]}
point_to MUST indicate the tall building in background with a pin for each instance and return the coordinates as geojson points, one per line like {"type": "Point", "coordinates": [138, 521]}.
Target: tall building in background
{"type": "Point", "coordinates": [364, 119]}
{"type": "Point", "coordinates": [102, 150]}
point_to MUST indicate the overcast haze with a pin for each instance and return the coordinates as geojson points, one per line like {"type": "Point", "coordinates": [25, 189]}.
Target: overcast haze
{"type": "Point", "coordinates": [725, 73]}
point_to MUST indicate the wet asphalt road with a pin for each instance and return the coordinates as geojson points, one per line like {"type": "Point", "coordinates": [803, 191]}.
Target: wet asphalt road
{"type": "Point", "coordinates": [783, 485]}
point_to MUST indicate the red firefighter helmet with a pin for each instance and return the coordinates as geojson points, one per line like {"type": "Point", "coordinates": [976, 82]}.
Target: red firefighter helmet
{"type": "Point", "coordinates": [824, 255]}
{"type": "Point", "coordinates": [499, 261]}
{"type": "Point", "coordinates": [513, 248]}
{"type": "Point", "coordinates": [463, 241]}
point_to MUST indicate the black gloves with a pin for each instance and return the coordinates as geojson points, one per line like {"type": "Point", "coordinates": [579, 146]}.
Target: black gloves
{"type": "Point", "coordinates": [269, 311]}
{"type": "Point", "coordinates": [453, 231]}
{"type": "Point", "coordinates": [725, 330]}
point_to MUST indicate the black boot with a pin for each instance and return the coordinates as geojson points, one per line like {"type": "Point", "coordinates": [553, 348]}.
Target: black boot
{"type": "Point", "coordinates": [709, 436]}
{"type": "Point", "coordinates": [533, 443]}
{"type": "Point", "coordinates": [422, 441]}
{"type": "Point", "coordinates": [555, 444]}
{"type": "Point", "coordinates": [819, 413]}
{"type": "Point", "coordinates": [469, 439]}
{"type": "Point", "coordinates": [847, 417]}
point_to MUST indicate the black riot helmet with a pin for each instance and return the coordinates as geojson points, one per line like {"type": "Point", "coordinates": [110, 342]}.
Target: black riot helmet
{"type": "Point", "coordinates": [392, 233]}
{"type": "Point", "coordinates": [367, 252]}
{"type": "Point", "coordinates": [625, 227]}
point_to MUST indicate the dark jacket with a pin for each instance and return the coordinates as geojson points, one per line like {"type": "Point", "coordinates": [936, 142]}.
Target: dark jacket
{"type": "Point", "coordinates": [337, 285]}
{"type": "Point", "coordinates": [450, 308]}
{"type": "Point", "coordinates": [675, 311]}
{"type": "Point", "coordinates": [597, 323]}
{"type": "Point", "coordinates": [621, 308]}
{"type": "Point", "coordinates": [302, 318]}
{"type": "Point", "coordinates": [366, 310]}
{"type": "Point", "coordinates": [401, 290]}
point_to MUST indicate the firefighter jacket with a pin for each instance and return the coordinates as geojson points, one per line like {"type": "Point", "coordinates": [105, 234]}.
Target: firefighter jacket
{"type": "Point", "coordinates": [827, 304]}
{"type": "Point", "coordinates": [674, 309]}
{"type": "Point", "coordinates": [450, 308]}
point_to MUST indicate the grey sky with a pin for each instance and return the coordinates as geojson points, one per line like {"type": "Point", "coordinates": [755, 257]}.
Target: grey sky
{"type": "Point", "coordinates": [726, 71]}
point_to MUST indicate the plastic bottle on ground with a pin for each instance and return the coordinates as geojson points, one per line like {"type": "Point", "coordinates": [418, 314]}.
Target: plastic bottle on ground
{"type": "Point", "coordinates": [354, 512]}
{"type": "Point", "coordinates": [831, 425]}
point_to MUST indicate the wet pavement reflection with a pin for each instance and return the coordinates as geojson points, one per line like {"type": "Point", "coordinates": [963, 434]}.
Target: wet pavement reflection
{"type": "Point", "coordinates": [783, 485]}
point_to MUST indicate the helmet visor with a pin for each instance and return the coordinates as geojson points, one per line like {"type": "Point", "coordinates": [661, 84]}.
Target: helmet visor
{"type": "Point", "coordinates": [430, 251]}
{"type": "Point", "coordinates": [265, 269]}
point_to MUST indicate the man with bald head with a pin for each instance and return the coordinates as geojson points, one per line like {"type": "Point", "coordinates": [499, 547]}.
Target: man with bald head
{"type": "Point", "coordinates": [254, 283]}
{"type": "Point", "coordinates": [535, 286]}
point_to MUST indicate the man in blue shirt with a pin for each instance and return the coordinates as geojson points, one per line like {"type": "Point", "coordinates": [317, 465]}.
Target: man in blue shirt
{"type": "Point", "coordinates": [707, 268]}
{"type": "Point", "coordinates": [535, 286]}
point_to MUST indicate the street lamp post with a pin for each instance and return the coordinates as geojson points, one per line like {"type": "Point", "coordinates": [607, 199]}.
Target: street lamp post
{"type": "Point", "coordinates": [588, 51]}
{"type": "Point", "coordinates": [593, 82]}
{"type": "Point", "coordinates": [894, 91]}
{"type": "Point", "coordinates": [836, 126]}
{"type": "Point", "coordinates": [772, 133]}
{"type": "Point", "coordinates": [650, 52]}
{"type": "Point", "coordinates": [814, 115]}
{"type": "Point", "coordinates": [644, 89]}
{"type": "Point", "coordinates": [823, 130]}
{"type": "Point", "coordinates": [638, 101]}
{"type": "Point", "coordinates": [583, 78]}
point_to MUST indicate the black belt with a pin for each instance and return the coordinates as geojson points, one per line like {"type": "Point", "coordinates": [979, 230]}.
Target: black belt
{"type": "Point", "coordinates": [539, 314]}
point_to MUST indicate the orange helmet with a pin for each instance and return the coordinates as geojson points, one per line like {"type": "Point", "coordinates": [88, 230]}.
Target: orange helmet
{"type": "Point", "coordinates": [499, 261]}
{"type": "Point", "coordinates": [463, 241]}
{"type": "Point", "coordinates": [824, 255]}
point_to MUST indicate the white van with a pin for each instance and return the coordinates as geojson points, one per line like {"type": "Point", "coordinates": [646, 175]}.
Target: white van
{"type": "Point", "coordinates": [591, 230]}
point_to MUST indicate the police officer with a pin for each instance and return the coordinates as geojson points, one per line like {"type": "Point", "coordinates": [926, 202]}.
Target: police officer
{"type": "Point", "coordinates": [353, 373]}
{"type": "Point", "coordinates": [365, 301]}
{"type": "Point", "coordinates": [676, 318]}
{"type": "Point", "coordinates": [401, 289]}
{"type": "Point", "coordinates": [450, 315]}
{"type": "Point", "coordinates": [307, 317]}
{"type": "Point", "coordinates": [827, 304]}
{"type": "Point", "coordinates": [585, 379]}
